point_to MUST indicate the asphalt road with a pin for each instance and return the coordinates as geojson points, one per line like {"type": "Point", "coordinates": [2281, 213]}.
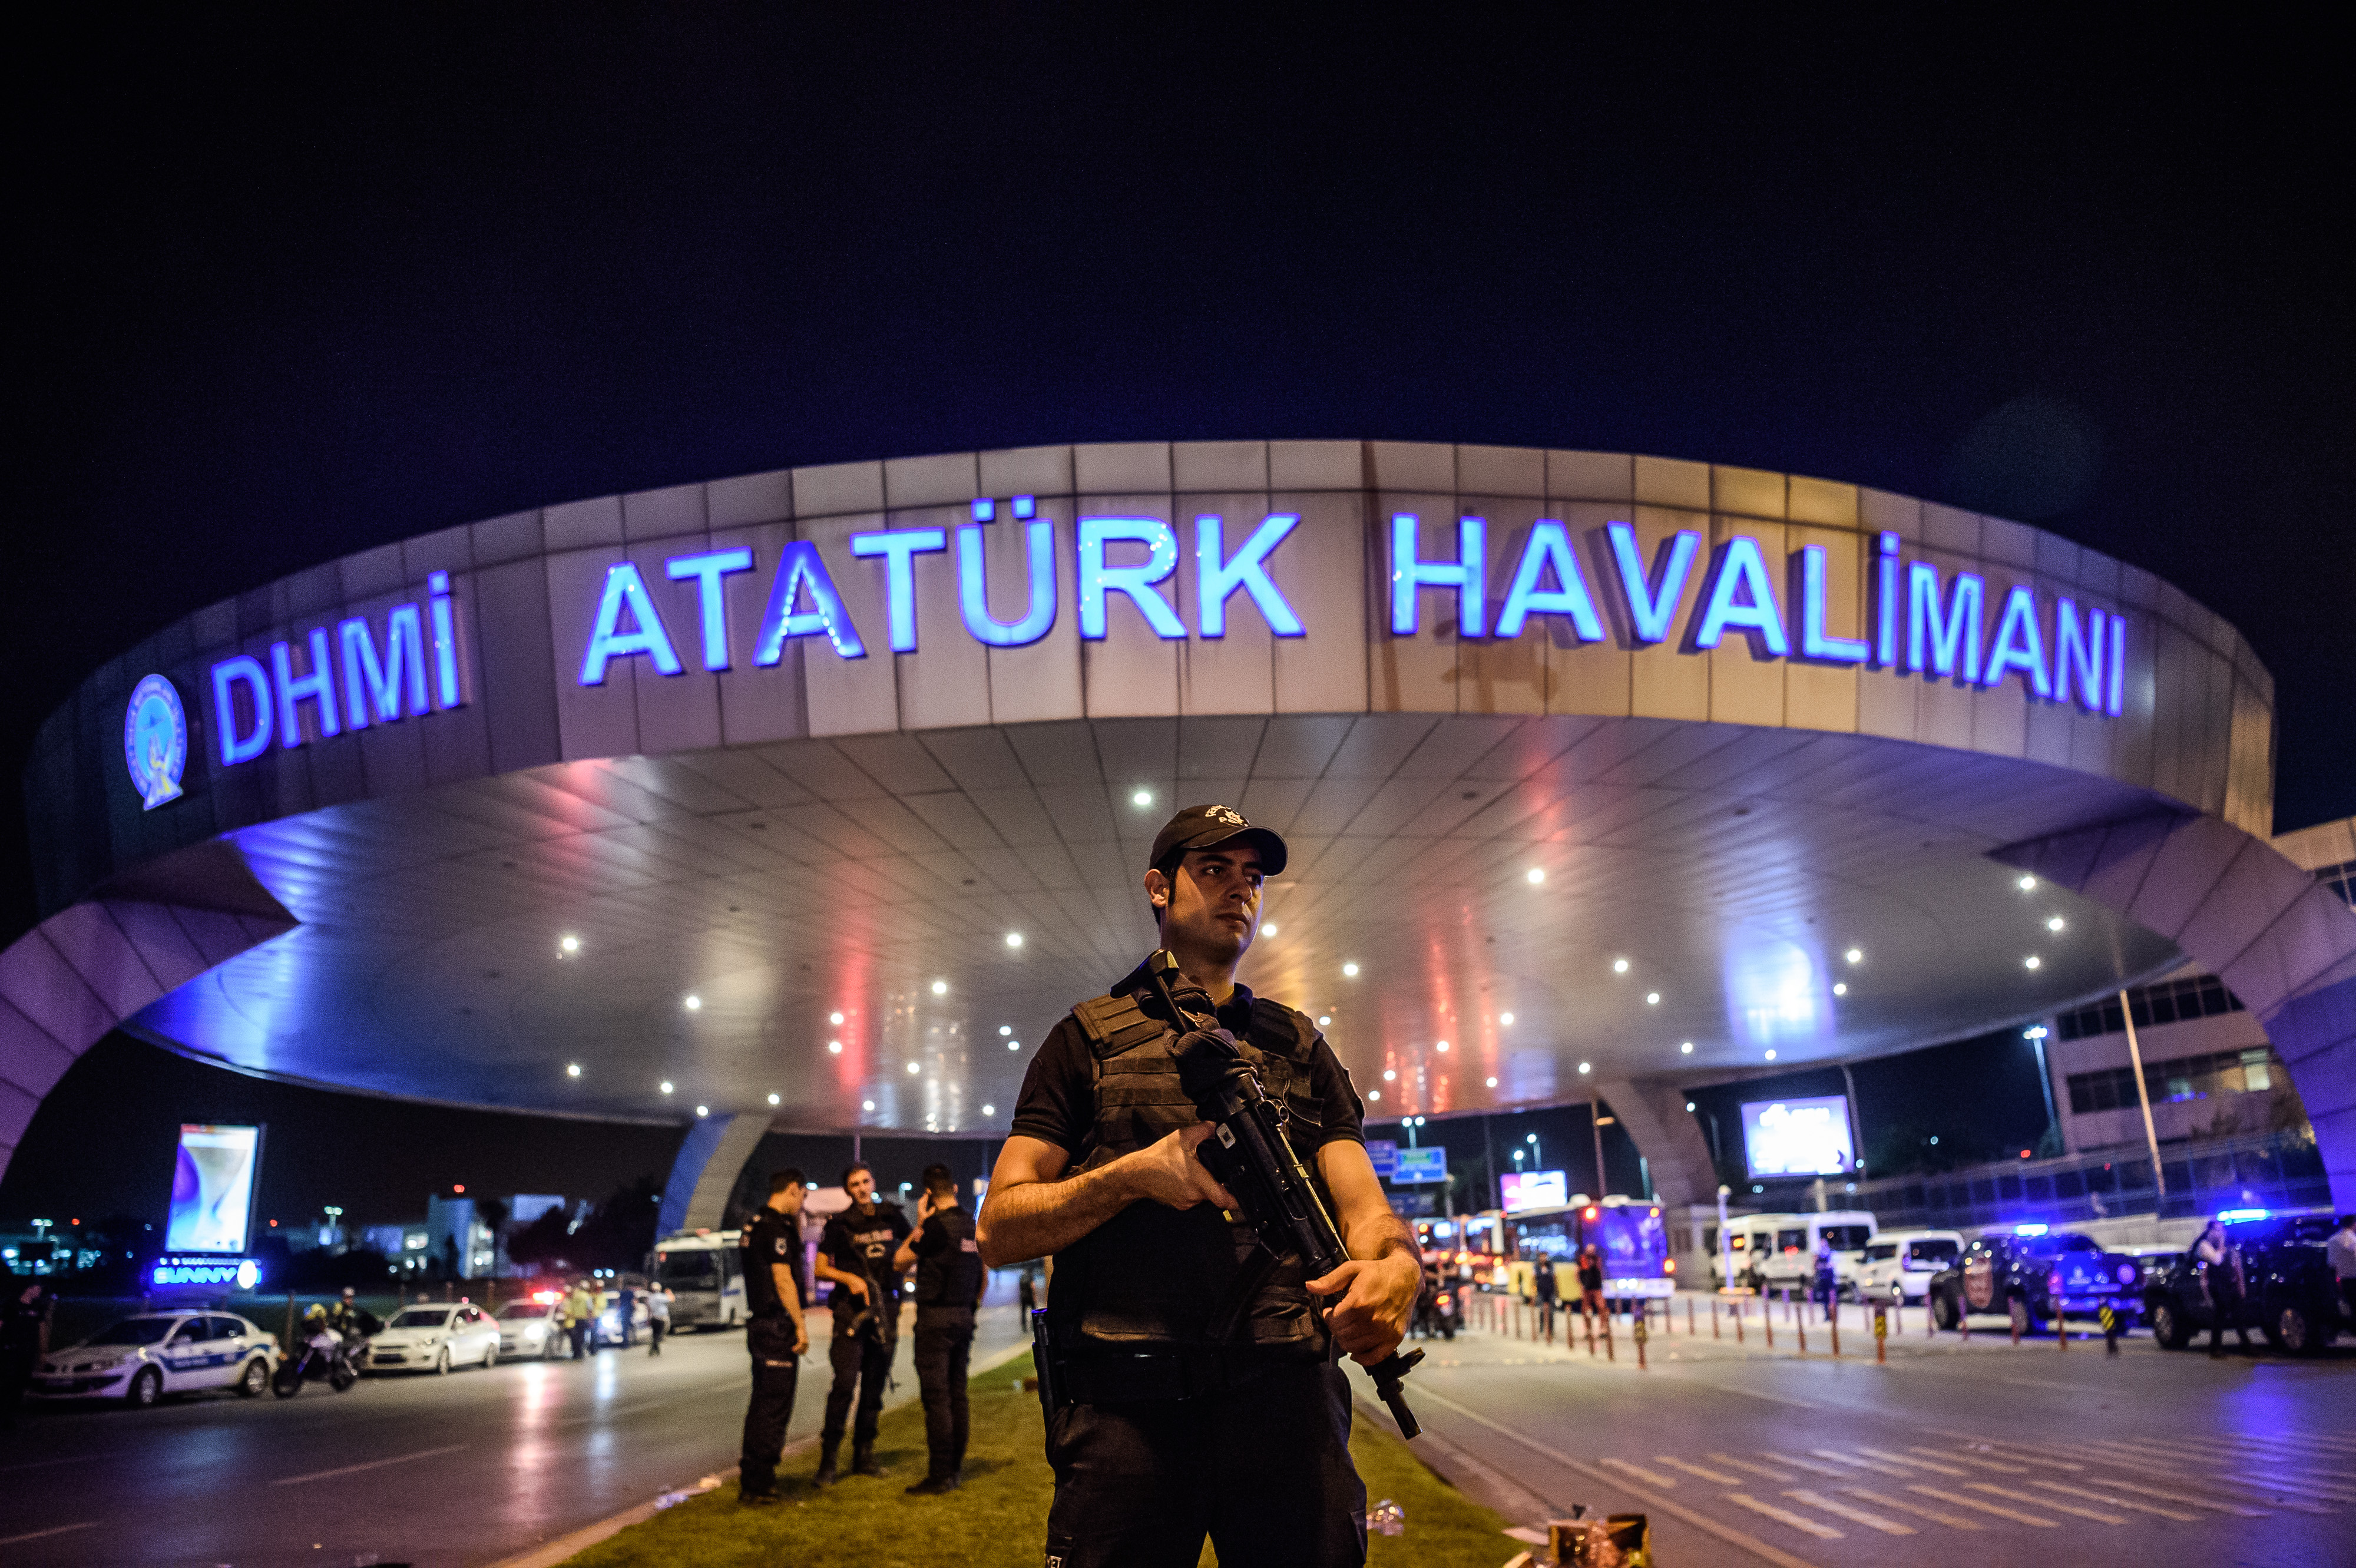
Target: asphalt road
{"type": "Point", "coordinates": [1984, 1452]}
{"type": "Point", "coordinates": [464, 1469]}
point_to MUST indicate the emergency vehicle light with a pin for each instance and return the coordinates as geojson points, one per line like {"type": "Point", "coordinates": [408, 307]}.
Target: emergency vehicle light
{"type": "Point", "coordinates": [2029, 1230]}
{"type": "Point", "coordinates": [2232, 1215]}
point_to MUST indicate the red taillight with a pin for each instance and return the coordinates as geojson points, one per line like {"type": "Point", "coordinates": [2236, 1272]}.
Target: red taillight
{"type": "Point", "coordinates": [1446, 1301]}
{"type": "Point", "coordinates": [1671, 1265]}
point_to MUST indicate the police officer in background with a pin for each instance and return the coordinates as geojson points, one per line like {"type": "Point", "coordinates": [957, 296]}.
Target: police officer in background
{"type": "Point", "coordinates": [856, 1257]}
{"type": "Point", "coordinates": [948, 1263]}
{"type": "Point", "coordinates": [1160, 1433]}
{"type": "Point", "coordinates": [776, 1332]}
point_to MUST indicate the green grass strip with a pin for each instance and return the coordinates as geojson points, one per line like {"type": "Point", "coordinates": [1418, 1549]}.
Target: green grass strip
{"type": "Point", "coordinates": [999, 1517]}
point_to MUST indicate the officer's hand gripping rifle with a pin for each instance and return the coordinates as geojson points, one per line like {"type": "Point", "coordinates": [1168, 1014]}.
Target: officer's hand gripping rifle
{"type": "Point", "coordinates": [1252, 1158]}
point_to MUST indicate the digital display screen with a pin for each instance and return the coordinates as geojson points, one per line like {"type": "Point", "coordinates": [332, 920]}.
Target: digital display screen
{"type": "Point", "coordinates": [1533, 1189]}
{"type": "Point", "coordinates": [1798, 1137]}
{"type": "Point", "coordinates": [212, 1188]}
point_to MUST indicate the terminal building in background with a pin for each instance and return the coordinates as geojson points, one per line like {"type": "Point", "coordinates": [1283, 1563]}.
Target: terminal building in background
{"type": "Point", "coordinates": [808, 801]}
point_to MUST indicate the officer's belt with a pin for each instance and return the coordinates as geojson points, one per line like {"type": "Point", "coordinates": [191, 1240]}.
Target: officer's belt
{"type": "Point", "coordinates": [1099, 1376]}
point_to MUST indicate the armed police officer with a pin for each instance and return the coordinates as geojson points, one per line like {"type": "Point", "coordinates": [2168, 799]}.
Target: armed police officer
{"type": "Point", "coordinates": [854, 1255]}
{"type": "Point", "coordinates": [776, 1332]}
{"type": "Point", "coordinates": [1195, 1390]}
{"type": "Point", "coordinates": [948, 1287]}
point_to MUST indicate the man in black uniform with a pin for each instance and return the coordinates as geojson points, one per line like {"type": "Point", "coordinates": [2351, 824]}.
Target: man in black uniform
{"type": "Point", "coordinates": [774, 1333]}
{"type": "Point", "coordinates": [1167, 1428]}
{"type": "Point", "coordinates": [855, 1256]}
{"type": "Point", "coordinates": [948, 1261]}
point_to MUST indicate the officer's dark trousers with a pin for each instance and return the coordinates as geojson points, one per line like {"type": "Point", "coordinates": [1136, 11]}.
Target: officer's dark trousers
{"type": "Point", "coordinates": [1264, 1469]}
{"type": "Point", "coordinates": [944, 1341]}
{"type": "Point", "coordinates": [859, 1360]}
{"type": "Point", "coordinates": [775, 1370]}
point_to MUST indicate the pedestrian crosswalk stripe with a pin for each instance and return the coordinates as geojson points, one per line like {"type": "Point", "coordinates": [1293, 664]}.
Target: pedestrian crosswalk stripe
{"type": "Point", "coordinates": [1901, 1459]}
{"type": "Point", "coordinates": [1994, 1490]}
{"type": "Point", "coordinates": [1776, 1476]}
{"type": "Point", "coordinates": [1999, 1468]}
{"type": "Point", "coordinates": [2178, 1494]}
{"type": "Point", "coordinates": [1720, 1477]}
{"type": "Point", "coordinates": [1839, 1509]}
{"type": "Point", "coordinates": [1873, 1465]}
{"type": "Point", "coordinates": [1808, 1464]}
{"type": "Point", "coordinates": [2034, 1453]}
{"type": "Point", "coordinates": [1952, 1522]}
{"type": "Point", "coordinates": [1985, 1507]}
{"type": "Point", "coordinates": [2128, 1503]}
{"type": "Point", "coordinates": [2295, 1488]}
{"type": "Point", "coordinates": [1647, 1477]}
{"type": "Point", "coordinates": [1785, 1516]}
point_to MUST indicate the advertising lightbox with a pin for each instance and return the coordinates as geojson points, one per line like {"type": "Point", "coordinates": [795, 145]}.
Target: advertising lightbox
{"type": "Point", "coordinates": [212, 1188]}
{"type": "Point", "coordinates": [1798, 1137]}
{"type": "Point", "coordinates": [1533, 1189]}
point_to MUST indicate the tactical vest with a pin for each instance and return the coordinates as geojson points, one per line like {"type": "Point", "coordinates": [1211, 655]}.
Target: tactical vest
{"type": "Point", "coordinates": [1153, 1274]}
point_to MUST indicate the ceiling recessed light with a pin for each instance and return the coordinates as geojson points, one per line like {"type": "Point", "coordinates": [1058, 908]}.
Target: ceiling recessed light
{"type": "Point", "coordinates": [1374, 1094]}
{"type": "Point", "coordinates": [773, 1099]}
{"type": "Point", "coordinates": [1389, 1074]}
{"type": "Point", "coordinates": [1014, 1044]}
{"type": "Point", "coordinates": [693, 1003]}
{"type": "Point", "coordinates": [570, 944]}
{"type": "Point", "coordinates": [1005, 1029]}
{"type": "Point", "coordinates": [573, 1069]}
{"type": "Point", "coordinates": [1855, 955]}
{"type": "Point", "coordinates": [1142, 799]}
{"type": "Point", "coordinates": [1441, 1046]}
{"type": "Point", "coordinates": [1537, 873]}
{"type": "Point", "coordinates": [1686, 1049]}
{"type": "Point", "coordinates": [1350, 970]}
{"type": "Point", "coordinates": [665, 1085]}
{"type": "Point", "coordinates": [835, 1047]}
{"type": "Point", "coordinates": [940, 988]}
{"type": "Point", "coordinates": [834, 1018]}
{"type": "Point", "coordinates": [1492, 1083]}
{"type": "Point", "coordinates": [704, 1110]}
{"type": "Point", "coordinates": [1840, 988]}
{"type": "Point", "coordinates": [1770, 1056]}
{"type": "Point", "coordinates": [1014, 939]}
{"type": "Point", "coordinates": [2032, 961]}
{"type": "Point", "coordinates": [1619, 966]}
{"type": "Point", "coordinates": [1267, 929]}
{"type": "Point", "coordinates": [867, 1105]}
{"type": "Point", "coordinates": [2027, 883]}
{"type": "Point", "coordinates": [915, 1068]}
{"type": "Point", "coordinates": [1323, 1019]}
{"type": "Point", "coordinates": [1652, 999]}
{"type": "Point", "coordinates": [1689, 1105]}
{"type": "Point", "coordinates": [1586, 1066]}
{"type": "Point", "coordinates": [1505, 1017]}
{"type": "Point", "coordinates": [990, 1111]}
{"type": "Point", "coordinates": [2055, 924]}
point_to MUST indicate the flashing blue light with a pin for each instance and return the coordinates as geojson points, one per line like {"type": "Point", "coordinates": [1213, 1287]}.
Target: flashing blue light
{"type": "Point", "coordinates": [2232, 1215]}
{"type": "Point", "coordinates": [2030, 1230]}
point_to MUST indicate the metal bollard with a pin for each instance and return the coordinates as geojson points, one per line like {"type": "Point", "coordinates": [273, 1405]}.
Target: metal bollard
{"type": "Point", "coordinates": [1800, 1327]}
{"type": "Point", "coordinates": [1835, 1331]}
{"type": "Point", "coordinates": [1689, 1317]}
{"type": "Point", "coordinates": [1641, 1365]}
{"type": "Point", "coordinates": [2060, 1329]}
{"type": "Point", "coordinates": [1881, 1336]}
{"type": "Point", "coordinates": [2015, 1330]}
{"type": "Point", "coordinates": [1767, 1321]}
{"type": "Point", "coordinates": [1713, 1317]}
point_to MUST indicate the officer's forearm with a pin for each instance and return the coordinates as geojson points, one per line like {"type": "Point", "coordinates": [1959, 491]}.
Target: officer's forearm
{"type": "Point", "coordinates": [1379, 1234]}
{"type": "Point", "coordinates": [1019, 1224]}
{"type": "Point", "coordinates": [790, 1291]}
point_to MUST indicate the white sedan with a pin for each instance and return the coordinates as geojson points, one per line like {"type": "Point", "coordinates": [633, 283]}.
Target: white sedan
{"type": "Point", "coordinates": [141, 1359]}
{"type": "Point", "coordinates": [529, 1328]}
{"type": "Point", "coordinates": [433, 1337]}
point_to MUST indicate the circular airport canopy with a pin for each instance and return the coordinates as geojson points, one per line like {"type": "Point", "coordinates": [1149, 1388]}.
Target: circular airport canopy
{"type": "Point", "coordinates": [817, 796]}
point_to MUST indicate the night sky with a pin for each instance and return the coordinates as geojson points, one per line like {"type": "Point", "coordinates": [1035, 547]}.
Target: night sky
{"type": "Point", "coordinates": [293, 283]}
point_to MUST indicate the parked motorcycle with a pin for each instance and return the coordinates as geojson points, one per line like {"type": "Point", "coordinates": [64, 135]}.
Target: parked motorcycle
{"type": "Point", "coordinates": [325, 1357]}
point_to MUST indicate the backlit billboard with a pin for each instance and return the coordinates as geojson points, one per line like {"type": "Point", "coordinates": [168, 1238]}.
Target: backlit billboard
{"type": "Point", "coordinates": [1798, 1137]}
{"type": "Point", "coordinates": [212, 1188]}
{"type": "Point", "coordinates": [1533, 1189]}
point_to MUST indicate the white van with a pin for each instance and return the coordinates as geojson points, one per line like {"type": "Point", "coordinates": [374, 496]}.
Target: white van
{"type": "Point", "coordinates": [705, 1272]}
{"type": "Point", "coordinates": [1778, 1252]}
{"type": "Point", "coordinates": [1898, 1264]}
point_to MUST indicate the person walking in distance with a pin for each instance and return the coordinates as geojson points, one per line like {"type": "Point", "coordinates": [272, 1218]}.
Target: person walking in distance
{"type": "Point", "coordinates": [1544, 1291]}
{"type": "Point", "coordinates": [1827, 1279]}
{"type": "Point", "coordinates": [949, 1279]}
{"type": "Point", "coordinates": [625, 1307]}
{"type": "Point", "coordinates": [659, 1299]}
{"type": "Point", "coordinates": [774, 1332]}
{"type": "Point", "coordinates": [581, 1319]}
{"type": "Point", "coordinates": [1191, 1390]}
{"type": "Point", "coordinates": [854, 1255]}
{"type": "Point", "coordinates": [2221, 1281]}
{"type": "Point", "coordinates": [1591, 1284]}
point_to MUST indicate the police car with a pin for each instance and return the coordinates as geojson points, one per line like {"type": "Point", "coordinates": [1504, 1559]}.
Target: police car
{"type": "Point", "coordinates": [2032, 1273]}
{"type": "Point", "coordinates": [2290, 1293]}
{"type": "Point", "coordinates": [140, 1359]}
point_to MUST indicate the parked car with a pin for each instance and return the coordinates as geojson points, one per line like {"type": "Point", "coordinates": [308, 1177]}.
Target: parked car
{"type": "Point", "coordinates": [433, 1337]}
{"type": "Point", "coordinates": [528, 1328]}
{"type": "Point", "coordinates": [1898, 1264]}
{"type": "Point", "coordinates": [2033, 1274]}
{"type": "Point", "coordinates": [2289, 1293]}
{"type": "Point", "coordinates": [141, 1357]}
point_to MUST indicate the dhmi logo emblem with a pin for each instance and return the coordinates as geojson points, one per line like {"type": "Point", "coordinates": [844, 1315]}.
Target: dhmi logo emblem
{"type": "Point", "coordinates": [156, 740]}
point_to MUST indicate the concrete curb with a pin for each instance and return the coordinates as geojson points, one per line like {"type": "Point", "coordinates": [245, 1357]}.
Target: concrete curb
{"type": "Point", "coordinates": [565, 1547]}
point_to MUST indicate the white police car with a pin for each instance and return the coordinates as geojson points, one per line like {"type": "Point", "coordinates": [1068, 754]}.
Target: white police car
{"type": "Point", "coordinates": [433, 1337]}
{"type": "Point", "coordinates": [139, 1360]}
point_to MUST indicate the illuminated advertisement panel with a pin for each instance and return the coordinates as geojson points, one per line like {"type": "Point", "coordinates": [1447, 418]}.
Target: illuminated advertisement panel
{"type": "Point", "coordinates": [1533, 1189]}
{"type": "Point", "coordinates": [212, 1188]}
{"type": "Point", "coordinates": [1798, 1137]}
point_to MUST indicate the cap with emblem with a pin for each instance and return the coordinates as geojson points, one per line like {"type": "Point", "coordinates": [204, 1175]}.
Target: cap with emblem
{"type": "Point", "coordinates": [1209, 827]}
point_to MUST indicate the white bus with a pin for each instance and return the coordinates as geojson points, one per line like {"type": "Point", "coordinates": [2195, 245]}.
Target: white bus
{"type": "Point", "coordinates": [705, 1272]}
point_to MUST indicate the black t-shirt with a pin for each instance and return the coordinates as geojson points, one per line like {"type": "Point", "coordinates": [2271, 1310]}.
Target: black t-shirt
{"type": "Point", "coordinates": [771, 1239]}
{"type": "Point", "coordinates": [857, 1243]}
{"type": "Point", "coordinates": [1058, 1100]}
{"type": "Point", "coordinates": [949, 1260]}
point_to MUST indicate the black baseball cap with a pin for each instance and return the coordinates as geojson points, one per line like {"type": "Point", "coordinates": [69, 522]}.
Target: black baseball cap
{"type": "Point", "coordinates": [1208, 827]}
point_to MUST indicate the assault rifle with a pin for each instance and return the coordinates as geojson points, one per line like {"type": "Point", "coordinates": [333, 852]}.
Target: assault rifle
{"type": "Point", "coordinates": [1253, 1159]}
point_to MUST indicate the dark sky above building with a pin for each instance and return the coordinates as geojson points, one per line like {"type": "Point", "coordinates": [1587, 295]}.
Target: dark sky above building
{"type": "Point", "coordinates": [293, 283]}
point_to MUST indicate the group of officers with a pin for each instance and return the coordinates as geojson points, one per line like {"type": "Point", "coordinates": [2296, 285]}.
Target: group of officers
{"type": "Point", "coordinates": [865, 1254]}
{"type": "Point", "coordinates": [1191, 1377]}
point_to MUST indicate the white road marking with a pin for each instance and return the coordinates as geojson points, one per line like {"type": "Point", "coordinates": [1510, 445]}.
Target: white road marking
{"type": "Point", "coordinates": [2175, 1514]}
{"type": "Point", "coordinates": [1776, 1476]}
{"type": "Point", "coordinates": [1700, 1522]}
{"type": "Point", "coordinates": [1844, 1511]}
{"type": "Point", "coordinates": [1995, 1492]}
{"type": "Point", "coordinates": [2261, 1481]}
{"type": "Point", "coordinates": [370, 1464]}
{"type": "Point", "coordinates": [1931, 1465]}
{"type": "Point", "coordinates": [1808, 1464]}
{"type": "Point", "coordinates": [1785, 1516]}
{"type": "Point", "coordinates": [1720, 1476]}
{"type": "Point", "coordinates": [1874, 1465]}
{"type": "Point", "coordinates": [53, 1529]}
{"type": "Point", "coordinates": [2001, 1468]}
{"type": "Point", "coordinates": [1649, 1478]}
{"type": "Point", "coordinates": [1952, 1522]}
{"type": "Point", "coordinates": [2177, 1495]}
{"type": "Point", "coordinates": [1985, 1508]}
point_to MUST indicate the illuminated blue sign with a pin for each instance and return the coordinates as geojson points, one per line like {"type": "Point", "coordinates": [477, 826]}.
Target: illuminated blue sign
{"type": "Point", "coordinates": [156, 740]}
{"type": "Point", "coordinates": [176, 1269]}
{"type": "Point", "coordinates": [1414, 1166]}
{"type": "Point", "coordinates": [381, 681]}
